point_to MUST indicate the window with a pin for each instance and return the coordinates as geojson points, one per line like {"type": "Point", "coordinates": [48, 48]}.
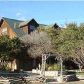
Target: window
{"type": "Point", "coordinates": [4, 31]}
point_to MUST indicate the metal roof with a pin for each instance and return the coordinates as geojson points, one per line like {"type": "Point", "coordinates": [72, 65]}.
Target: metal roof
{"type": "Point", "coordinates": [14, 24]}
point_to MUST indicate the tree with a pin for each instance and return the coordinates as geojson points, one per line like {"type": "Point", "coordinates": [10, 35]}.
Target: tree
{"type": "Point", "coordinates": [4, 47]}
{"type": "Point", "coordinates": [79, 56]}
{"type": "Point", "coordinates": [79, 51]}
{"type": "Point", "coordinates": [67, 40]}
{"type": "Point", "coordinates": [69, 43]}
{"type": "Point", "coordinates": [38, 43]}
{"type": "Point", "coordinates": [9, 49]}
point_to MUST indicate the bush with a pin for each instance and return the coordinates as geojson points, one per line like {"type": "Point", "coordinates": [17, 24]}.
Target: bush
{"type": "Point", "coordinates": [70, 72]}
{"type": "Point", "coordinates": [57, 67]}
{"type": "Point", "coordinates": [79, 73]}
{"type": "Point", "coordinates": [54, 67]}
{"type": "Point", "coordinates": [5, 68]}
{"type": "Point", "coordinates": [50, 68]}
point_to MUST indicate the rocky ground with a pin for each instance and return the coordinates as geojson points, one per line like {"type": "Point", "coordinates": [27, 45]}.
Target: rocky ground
{"type": "Point", "coordinates": [74, 82]}
{"type": "Point", "coordinates": [20, 82]}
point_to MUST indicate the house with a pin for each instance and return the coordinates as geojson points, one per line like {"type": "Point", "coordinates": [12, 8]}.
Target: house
{"type": "Point", "coordinates": [16, 28]}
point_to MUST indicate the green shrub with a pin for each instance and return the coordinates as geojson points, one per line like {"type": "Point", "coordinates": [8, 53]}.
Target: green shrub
{"type": "Point", "coordinates": [54, 67]}
{"type": "Point", "coordinates": [57, 67]}
{"type": "Point", "coordinates": [5, 68]}
{"type": "Point", "coordinates": [50, 68]}
{"type": "Point", "coordinates": [79, 73]}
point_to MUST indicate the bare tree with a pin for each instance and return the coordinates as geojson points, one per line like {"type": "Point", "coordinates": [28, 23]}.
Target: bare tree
{"type": "Point", "coordinates": [79, 57]}
{"type": "Point", "coordinates": [38, 43]}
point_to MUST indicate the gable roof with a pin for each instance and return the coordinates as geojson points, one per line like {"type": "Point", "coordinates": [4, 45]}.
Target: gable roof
{"type": "Point", "coordinates": [14, 24]}
{"type": "Point", "coordinates": [53, 26]}
{"type": "Point", "coordinates": [26, 22]}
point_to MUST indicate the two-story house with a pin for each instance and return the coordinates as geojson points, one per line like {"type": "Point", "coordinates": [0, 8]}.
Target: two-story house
{"type": "Point", "coordinates": [16, 28]}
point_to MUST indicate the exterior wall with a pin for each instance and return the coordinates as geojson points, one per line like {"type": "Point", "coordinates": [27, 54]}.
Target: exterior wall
{"type": "Point", "coordinates": [12, 65]}
{"type": "Point", "coordinates": [0, 32]}
{"type": "Point", "coordinates": [28, 27]}
{"type": "Point", "coordinates": [25, 29]}
{"type": "Point", "coordinates": [10, 32]}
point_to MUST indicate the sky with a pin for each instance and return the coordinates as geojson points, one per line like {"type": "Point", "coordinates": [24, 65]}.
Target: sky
{"type": "Point", "coordinates": [44, 12]}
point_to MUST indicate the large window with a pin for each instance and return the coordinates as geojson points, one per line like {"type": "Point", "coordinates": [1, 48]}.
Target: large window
{"type": "Point", "coordinates": [4, 31]}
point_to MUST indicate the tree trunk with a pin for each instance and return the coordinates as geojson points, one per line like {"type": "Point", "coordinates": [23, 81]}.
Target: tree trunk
{"type": "Point", "coordinates": [34, 63]}
{"type": "Point", "coordinates": [80, 67]}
